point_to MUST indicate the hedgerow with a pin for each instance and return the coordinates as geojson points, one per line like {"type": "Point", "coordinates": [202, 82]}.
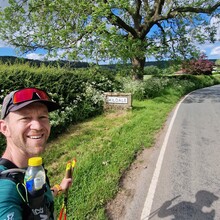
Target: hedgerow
{"type": "Point", "coordinates": [156, 86]}
{"type": "Point", "coordinates": [79, 91]}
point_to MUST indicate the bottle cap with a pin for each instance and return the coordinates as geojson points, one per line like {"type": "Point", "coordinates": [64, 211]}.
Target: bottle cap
{"type": "Point", "coordinates": [35, 161]}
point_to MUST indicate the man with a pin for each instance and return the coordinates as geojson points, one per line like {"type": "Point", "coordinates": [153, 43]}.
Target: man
{"type": "Point", "coordinates": [26, 127]}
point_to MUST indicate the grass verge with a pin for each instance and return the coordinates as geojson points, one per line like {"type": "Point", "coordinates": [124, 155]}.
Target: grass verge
{"type": "Point", "coordinates": [105, 147]}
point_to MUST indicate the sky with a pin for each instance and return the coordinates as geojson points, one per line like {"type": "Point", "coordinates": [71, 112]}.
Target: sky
{"type": "Point", "coordinates": [211, 50]}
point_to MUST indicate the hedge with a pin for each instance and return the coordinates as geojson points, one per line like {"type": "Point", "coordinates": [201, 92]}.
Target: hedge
{"type": "Point", "coordinates": [79, 91]}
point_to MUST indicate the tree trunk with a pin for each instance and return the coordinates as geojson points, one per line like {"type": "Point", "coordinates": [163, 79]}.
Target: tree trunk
{"type": "Point", "coordinates": [138, 68]}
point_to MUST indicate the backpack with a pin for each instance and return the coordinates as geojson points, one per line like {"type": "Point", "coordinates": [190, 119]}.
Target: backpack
{"type": "Point", "coordinates": [30, 210]}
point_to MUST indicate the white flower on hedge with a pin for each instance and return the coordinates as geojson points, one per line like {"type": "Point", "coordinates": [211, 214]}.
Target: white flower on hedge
{"type": "Point", "coordinates": [93, 94]}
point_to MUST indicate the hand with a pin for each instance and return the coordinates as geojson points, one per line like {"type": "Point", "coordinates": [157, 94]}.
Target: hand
{"type": "Point", "coordinates": [66, 184]}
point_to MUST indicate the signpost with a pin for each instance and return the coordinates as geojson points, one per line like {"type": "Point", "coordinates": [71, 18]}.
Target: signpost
{"type": "Point", "coordinates": [117, 100]}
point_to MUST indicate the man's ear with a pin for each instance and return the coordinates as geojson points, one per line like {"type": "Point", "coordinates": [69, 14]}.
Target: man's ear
{"type": "Point", "coordinates": [4, 128]}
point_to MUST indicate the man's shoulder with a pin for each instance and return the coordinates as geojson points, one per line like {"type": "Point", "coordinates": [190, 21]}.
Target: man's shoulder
{"type": "Point", "coordinates": [3, 178]}
{"type": "Point", "coordinates": [8, 186]}
{"type": "Point", "coordinates": [10, 200]}
{"type": "Point", "coordinates": [7, 163]}
{"type": "Point", "coordinates": [2, 168]}
{"type": "Point", "coordinates": [14, 175]}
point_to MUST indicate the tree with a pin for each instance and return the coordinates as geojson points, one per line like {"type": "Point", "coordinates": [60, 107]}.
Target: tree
{"type": "Point", "coordinates": [201, 66]}
{"type": "Point", "coordinates": [110, 29]}
{"type": "Point", "coordinates": [217, 63]}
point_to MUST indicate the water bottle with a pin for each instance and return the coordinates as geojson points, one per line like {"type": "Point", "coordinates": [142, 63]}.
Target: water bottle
{"type": "Point", "coordinates": [35, 177]}
{"type": "Point", "coordinates": [35, 181]}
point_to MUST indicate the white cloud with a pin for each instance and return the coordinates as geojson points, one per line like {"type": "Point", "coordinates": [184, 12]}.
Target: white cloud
{"type": "Point", "coordinates": [4, 44]}
{"type": "Point", "coordinates": [4, 3]}
{"type": "Point", "coordinates": [45, 56]}
{"type": "Point", "coordinates": [35, 56]}
{"type": "Point", "coordinates": [215, 51]}
{"type": "Point", "coordinates": [216, 23]}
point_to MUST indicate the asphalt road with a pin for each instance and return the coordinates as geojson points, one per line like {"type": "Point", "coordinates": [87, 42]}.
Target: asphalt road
{"type": "Point", "coordinates": [182, 181]}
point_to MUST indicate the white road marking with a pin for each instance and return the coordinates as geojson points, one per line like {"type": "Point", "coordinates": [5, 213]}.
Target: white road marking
{"type": "Point", "coordinates": [151, 192]}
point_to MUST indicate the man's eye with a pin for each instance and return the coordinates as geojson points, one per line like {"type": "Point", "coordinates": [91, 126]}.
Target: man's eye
{"type": "Point", "coordinates": [25, 118]}
{"type": "Point", "coordinates": [44, 117]}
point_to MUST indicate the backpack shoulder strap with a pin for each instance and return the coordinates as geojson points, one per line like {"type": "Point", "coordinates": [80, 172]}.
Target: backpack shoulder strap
{"type": "Point", "coordinates": [7, 163]}
{"type": "Point", "coordinates": [12, 173]}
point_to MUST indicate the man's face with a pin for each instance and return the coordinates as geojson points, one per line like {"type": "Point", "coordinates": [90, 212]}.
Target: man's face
{"type": "Point", "coordinates": [29, 129]}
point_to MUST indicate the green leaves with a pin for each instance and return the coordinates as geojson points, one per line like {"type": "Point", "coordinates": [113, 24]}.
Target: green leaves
{"type": "Point", "coordinates": [80, 92]}
{"type": "Point", "coordinates": [108, 30]}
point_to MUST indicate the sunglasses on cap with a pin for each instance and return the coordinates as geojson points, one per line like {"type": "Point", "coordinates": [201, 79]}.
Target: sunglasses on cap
{"type": "Point", "coordinates": [21, 98]}
{"type": "Point", "coordinates": [28, 94]}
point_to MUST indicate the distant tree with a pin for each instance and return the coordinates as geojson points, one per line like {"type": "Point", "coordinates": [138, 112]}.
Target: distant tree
{"type": "Point", "coordinates": [201, 66]}
{"type": "Point", "coordinates": [217, 63]}
{"type": "Point", "coordinates": [129, 30]}
{"type": "Point", "coordinates": [217, 66]}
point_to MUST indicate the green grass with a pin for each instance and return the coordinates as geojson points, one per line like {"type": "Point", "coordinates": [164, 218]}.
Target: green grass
{"type": "Point", "coordinates": [105, 147]}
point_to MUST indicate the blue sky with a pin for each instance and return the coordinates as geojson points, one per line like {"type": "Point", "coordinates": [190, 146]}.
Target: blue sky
{"type": "Point", "coordinates": [211, 50]}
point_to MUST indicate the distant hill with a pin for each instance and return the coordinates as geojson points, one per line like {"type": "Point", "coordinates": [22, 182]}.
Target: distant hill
{"type": "Point", "coordinates": [60, 63]}
{"type": "Point", "coordinates": [72, 64]}
{"type": "Point", "coordinates": [159, 64]}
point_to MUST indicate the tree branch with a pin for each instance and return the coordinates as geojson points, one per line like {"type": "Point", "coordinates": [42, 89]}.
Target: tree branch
{"type": "Point", "coordinates": [207, 10]}
{"type": "Point", "coordinates": [115, 20]}
{"type": "Point", "coordinates": [163, 33]}
{"type": "Point", "coordinates": [137, 18]}
{"type": "Point", "coordinates": [158, 6]}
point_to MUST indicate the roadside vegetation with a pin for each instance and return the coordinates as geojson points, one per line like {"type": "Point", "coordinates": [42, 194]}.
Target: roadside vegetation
{"type": "Point", "coordinates": [104, 143]}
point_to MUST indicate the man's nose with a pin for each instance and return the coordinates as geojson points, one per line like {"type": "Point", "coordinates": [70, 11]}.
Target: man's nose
{"type": "Point", "coordinates": [36, 125]}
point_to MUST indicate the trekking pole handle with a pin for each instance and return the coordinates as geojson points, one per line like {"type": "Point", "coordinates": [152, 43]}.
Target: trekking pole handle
{"type": "Point", "coordinates": [73, 164]}
{"type": "Point", "coordinates": [70, 168]}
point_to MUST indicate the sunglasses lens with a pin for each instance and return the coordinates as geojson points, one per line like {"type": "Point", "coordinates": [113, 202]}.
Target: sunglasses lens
{"type": "Point", "coordinates": [28, 94]}
{"type": "Point", "coordinates": [41, 94]}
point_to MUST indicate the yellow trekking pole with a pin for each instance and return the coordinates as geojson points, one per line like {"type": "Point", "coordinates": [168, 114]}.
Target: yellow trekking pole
{"type": "Point", "coordinates": [69, 173]}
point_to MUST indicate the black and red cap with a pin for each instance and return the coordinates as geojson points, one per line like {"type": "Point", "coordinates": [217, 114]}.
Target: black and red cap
{"type": "Point", "coordinates": [18, 99]}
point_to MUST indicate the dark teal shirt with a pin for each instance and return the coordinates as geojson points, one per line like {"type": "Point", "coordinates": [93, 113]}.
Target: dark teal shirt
{"type": "Point", "coordinates": [11, 201]}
